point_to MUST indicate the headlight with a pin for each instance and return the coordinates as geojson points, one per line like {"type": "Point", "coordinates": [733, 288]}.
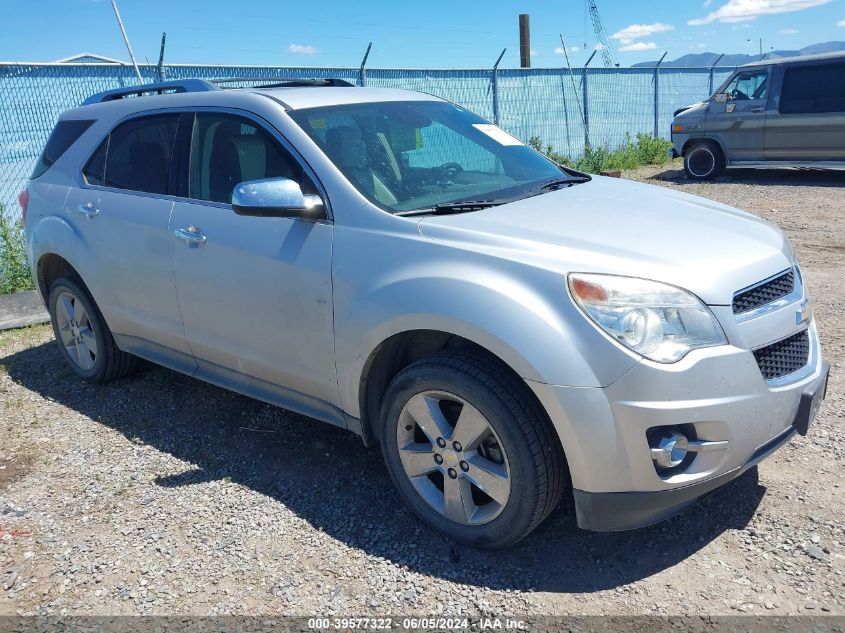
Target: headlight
{"type": "Point", "coordinates": [657, 320]}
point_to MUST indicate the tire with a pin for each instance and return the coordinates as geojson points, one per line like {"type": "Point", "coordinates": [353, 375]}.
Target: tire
{"type": "Point", "coordinates": [704, 161]}
{"type": "Point", "coordinates": [84, 339]}
{"type": "Point", "coordinates": [517, 457]}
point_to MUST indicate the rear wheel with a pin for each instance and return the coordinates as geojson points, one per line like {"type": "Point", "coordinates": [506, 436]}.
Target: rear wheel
{"type": "Point", "coordinates": [704, 161]}
{"type": "Point", "coordinates": [85, 341]}
{"type": "Point", "coordinates": [470, 452]}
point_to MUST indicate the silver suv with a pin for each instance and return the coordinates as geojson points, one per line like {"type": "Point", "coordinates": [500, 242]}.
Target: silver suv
{"type": "Point", "coordinates": [504, 328]}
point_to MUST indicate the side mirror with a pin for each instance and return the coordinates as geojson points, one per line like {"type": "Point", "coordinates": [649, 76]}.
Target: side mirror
{"type": "Point", "coordinates": [720, 97]}
{"type": "Point", "coordinates": [276, 198]}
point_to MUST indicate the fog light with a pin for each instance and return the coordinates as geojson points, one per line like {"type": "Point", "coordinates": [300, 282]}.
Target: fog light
{"type": "Point", "coordinates": [669, 449]}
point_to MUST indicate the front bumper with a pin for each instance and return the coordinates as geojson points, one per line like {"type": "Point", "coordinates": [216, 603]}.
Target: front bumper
{"type": "Point", "coordinates": [718, 392]}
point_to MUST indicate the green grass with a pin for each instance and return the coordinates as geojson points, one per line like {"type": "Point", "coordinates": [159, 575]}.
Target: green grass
{"type": "Point", "coordinates": [643, 150]}
{"type": "Point", "coordinates": [14, 265]}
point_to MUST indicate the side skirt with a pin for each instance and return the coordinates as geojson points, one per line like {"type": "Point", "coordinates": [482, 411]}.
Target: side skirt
{"type": "Point", "coordinates": [238, 382]}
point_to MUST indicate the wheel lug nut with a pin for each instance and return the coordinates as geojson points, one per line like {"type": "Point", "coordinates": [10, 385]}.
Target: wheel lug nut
{"type": "Point", "coordinates": [457, 446]}
{"type": "Point", "coordinates": [453, 474]}
{"type": "Point", "coordinates": [438, 458]}
{"type": "Point", "coordinates": [441, 442]}
{"type": "Point", "coordinates": [464, 466]}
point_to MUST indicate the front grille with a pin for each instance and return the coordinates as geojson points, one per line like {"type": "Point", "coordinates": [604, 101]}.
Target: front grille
{"type": "Point", "coordinates": [766, 292]}
{"type": "Point", "coordinates": [784, 357]}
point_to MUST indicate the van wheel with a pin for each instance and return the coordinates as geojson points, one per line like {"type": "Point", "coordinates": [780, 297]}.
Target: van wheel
{"type": "Point", "coordinates": [85, 341]}
{"type": "Point", "coordinates": [471, 453]}
{"type": "Point", "coordinates": [704, 161]}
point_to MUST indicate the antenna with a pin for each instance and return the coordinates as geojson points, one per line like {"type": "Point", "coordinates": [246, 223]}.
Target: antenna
{"type": "Point", "coordinates": [126, 40]}
{"type": "Point", "coordinates": [572, 79]}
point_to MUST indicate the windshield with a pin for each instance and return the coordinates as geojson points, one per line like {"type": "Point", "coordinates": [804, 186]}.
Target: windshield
{"type": "Point", "coordinates": [412, 155]}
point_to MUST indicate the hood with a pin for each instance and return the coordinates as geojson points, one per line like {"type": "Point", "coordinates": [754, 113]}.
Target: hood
{"type": "Point", "coordinates": [696, 109]}
{"type": "Point", "coordinates": [621, 227]}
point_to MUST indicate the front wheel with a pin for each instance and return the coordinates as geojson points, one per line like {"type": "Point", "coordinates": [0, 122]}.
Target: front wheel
{"type": "Point", "coordinates": [471, 453]}
{"type": "Point", "coordinates": [704, 161]}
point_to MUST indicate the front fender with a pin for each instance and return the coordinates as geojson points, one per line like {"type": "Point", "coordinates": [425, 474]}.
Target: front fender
{"type": "Point", "coordinates": [516, 312]}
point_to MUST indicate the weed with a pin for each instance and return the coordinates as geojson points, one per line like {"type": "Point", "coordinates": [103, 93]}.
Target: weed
{"type": "Point", "coordinates": [14, 264]}
{"type": "Point", "coordinates": [645, 150]}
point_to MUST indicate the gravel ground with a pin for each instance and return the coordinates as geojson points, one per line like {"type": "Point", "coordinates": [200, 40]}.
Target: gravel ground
{"type": "Point", "coordinates": [163, 495]}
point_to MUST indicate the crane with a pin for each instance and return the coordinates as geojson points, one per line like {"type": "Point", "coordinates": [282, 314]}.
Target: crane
{"type": "Point", "coordinates": [603, 45]}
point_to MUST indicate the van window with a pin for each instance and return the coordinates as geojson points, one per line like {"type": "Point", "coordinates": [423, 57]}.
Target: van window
{"type": "Point", "coordinates": [813, 89]}
{"type": "Point", "coordinates": [64, 135]}
{"type": "Point", "coordinates": [227, 150]}
{"type": "Point", "coordinates": [136, 155]}
{"type": "Point", "coordinates": [747, 85]}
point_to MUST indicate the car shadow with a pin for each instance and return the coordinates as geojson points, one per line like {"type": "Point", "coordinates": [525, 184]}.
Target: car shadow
{"type": "Point", "coordinates": [781, 177]}
{"type": "Point", "coordinates": [326, 476]}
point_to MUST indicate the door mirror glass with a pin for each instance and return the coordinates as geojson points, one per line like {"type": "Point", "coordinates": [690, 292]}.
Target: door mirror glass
{"type": "Point", "coordinates": [720, 97]}
{"type": "Point", "coordinates": [276, 197]}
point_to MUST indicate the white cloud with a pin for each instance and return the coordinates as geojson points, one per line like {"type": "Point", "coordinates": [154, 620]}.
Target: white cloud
{"type": "Point", "coordinates": [707, 3]}
{"type": "Point", "coordinates": [637, 47]}
{"type": "Point", "coordinates": [601, 47]}
{"type": "Point", "coordinates": [739, 27]}
{"type": "Point", "coordinates": [788, 31]}
{"type": "Point", "coordinates": [699, 45]}
{"type": "Point", "coordinates": [841, 23]}
{"type": "Point", "coordinates": [638, 31]}
{"type": "Point", "coordinates": [569, 49]}
{"type": "Point", "coordinates": [303, 49]}
{"type": "Point", "coordinates": [741, 10]}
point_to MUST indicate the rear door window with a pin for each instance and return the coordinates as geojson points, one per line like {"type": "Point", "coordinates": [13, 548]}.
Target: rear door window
{"type": "Point", "coordinates": [64, 135]}
{"type": "Point", "coordinates": [813, 89]}
{"type": "Point", "coordinates": [136, 155]}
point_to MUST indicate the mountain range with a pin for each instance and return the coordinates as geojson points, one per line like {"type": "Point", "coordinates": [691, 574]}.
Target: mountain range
{"type": "Point", "coordinates": [697, 60]}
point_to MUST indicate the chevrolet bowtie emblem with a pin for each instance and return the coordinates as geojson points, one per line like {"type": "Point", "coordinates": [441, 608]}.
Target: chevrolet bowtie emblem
{"type": "Point", "coordinates": [805, 313]}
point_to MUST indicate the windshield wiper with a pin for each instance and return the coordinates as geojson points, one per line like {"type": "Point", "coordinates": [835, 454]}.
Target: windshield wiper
{"type": "Point", "coordinates": [556, 183]}
{"type": "Point", "coordinates": [462, 206]}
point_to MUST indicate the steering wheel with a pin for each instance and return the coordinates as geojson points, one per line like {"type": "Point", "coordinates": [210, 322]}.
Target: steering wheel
{"type": "Point", "coordinates": [739, 95]}
{"type": "Point", "coordinates": [450, 170]}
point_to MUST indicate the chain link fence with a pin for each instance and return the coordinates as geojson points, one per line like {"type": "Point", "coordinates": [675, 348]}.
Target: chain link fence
{"type": "Point", "coordinates": [566, 109]}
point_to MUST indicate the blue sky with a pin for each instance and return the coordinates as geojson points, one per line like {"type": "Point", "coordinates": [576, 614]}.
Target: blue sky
{"type": "Point", "coordinates": [436, 33]}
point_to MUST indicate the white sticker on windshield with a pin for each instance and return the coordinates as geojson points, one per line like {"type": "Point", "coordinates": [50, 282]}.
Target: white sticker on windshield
{"type": "Point", "coordinates": [497, 134]}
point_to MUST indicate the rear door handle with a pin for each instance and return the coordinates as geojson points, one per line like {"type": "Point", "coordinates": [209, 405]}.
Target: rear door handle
{"type": "Point", "coordinates": [88, 210]}
{"type": "Point", "coordinates": [192, 236]}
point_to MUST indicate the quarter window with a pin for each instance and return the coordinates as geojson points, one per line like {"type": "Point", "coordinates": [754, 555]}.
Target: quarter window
{"type": "Point", "coordinates": [136, 155]}
{"type": "Point", "coordinates": [813, 89]}
{"type": "Point", "coordinates": [227, 150]}
{"type": "Point", "coordinates": [64, 135]}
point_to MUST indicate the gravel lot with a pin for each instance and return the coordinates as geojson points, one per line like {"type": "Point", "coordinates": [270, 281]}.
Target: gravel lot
{"type": "Point", "coordinates": [163, 495]}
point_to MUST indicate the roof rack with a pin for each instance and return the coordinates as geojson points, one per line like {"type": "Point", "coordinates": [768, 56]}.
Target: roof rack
{"type": "Point", "coordinates": [164, 87]}
{"type": "Point", "coordinates": [285, 82]}
{"type": "Point", "coordinates": [201, 85]}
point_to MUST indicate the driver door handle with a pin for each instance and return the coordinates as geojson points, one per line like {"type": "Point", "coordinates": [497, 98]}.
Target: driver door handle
{"type": "Point", "coordinates": [88, 210]}
{"type": "Point", "coordinates": [758, 109]}
{"type": "Point", "coordinates": [192, 236]}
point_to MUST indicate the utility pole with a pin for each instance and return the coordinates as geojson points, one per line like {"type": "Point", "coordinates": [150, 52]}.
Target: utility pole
{"type": "Point", "coordinates": [126, 40]}
{"type": "Point", "coordinates": [524, 41]}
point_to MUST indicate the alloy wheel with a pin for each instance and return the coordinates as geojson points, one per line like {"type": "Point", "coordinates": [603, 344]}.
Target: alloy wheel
{"type": "Point", "coordinates": [453, 457]}
{"type": "Point", "coordinates": [77, 335]}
